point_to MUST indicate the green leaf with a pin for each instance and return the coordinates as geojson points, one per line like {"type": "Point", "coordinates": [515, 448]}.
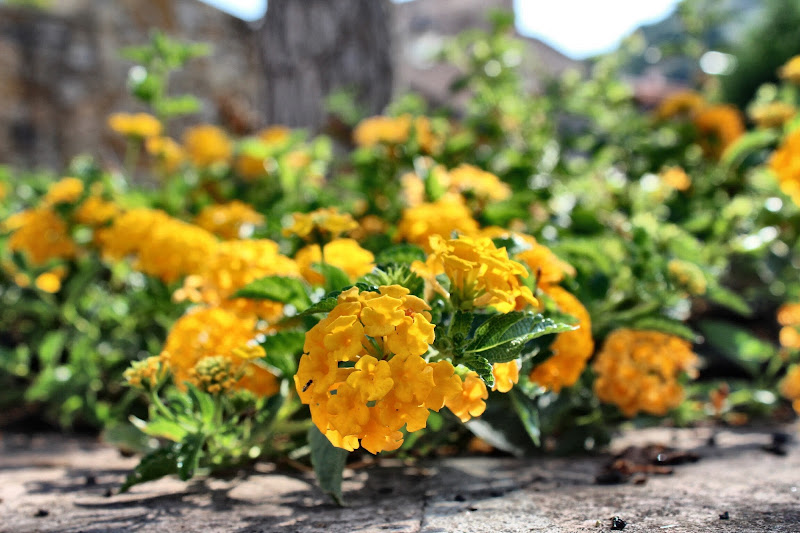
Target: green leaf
{"type": "Point", "coordinates": [159, 427]}
{"type": "Point", "coordinates": [726, 298]}
{"type": "Point", "coordinates": [203, 403]}
{"type": "Point", "coordinates": [747, 144]}
{"type": "Point", "coordinates": [665, 325]}
{"type": "Point", "coordinates": [187, 455]}
{"type": "Point", "coordinates": [528, 414]}
{"type": "Point", "coordinates": [278, 289]}
{"type": "Point", "coordinates": [328, 462]}
{"type": "Point", "coordinates": [400, 254]}
{"type": "Point", "coordinates": [51, 347]}
{"type": "Point", "coordinates": [335, 278]}
{"type": "Point", "coordinates": [736, 343]}
{"type": "Point", "coordinates": [502, 338]}
{"type": "Point", "coordinates": [480, 365]}
{"type": "Point", "coordinates": [461, 325]}
{"type": "Point", "coordinates": [154, 465]}
{"type": "Point", "coordinates": [283, 349]}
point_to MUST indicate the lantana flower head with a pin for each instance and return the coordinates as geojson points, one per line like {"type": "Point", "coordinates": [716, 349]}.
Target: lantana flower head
{"type": "Point", "coordinates": [322, 225]}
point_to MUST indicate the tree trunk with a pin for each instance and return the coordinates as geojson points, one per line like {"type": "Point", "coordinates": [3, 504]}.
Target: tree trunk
{"type": "Point", "coordinates": [311, 48]}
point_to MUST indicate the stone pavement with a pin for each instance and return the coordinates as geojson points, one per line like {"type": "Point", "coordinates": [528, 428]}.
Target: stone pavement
{"type": "Point", "coordinates": [52, 483]}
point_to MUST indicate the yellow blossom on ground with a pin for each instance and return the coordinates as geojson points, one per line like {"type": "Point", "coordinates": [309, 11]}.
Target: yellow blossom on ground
{"type": "Point", "coordinates": [233, 220]}
{"type": "Point", "coordinates": [472, 400]}
{"type": "Point", "coordinates": [65, 191]}
{"type": "Point", "coordinates": [204, 348]}
{"type": "Point", "coordinates": [791, 70]}
{"type": "Point", "coordinates": [207, 145]}
{"type": "Point", "coordinates": [345, 254]}
{"type": "Point", "coordinates": [506, 375]}
{"type": "Point", "coordinates": [481, 275]}
{"type": "Point", "coordinates": [231, 265]}
{"type": "Point", "coordinates": [328, 222]}
{"type": "Point", "coordinates": [41, 235]}
{"type": "Point", "coordinates": [387, 384]}
{"type": "Point", "coordinates": [719, 126]}
{"type": "Point", "coordinates": [639, 370]}
{"type": "Point", "coordinates": [483, 185]}
{"type": "Point", "coordinates": [676, 178]}
{"type": "Point", "coordinates": [679, 103]}
{"type": "Point", "coordinates": [138, 125]}
{"type": "Point", "coordinates": [790, 387]}
{"type": "Point", "coordinates": [772, 114]}
{"type": "Point", "coordinates": [167, 151]}
{"type": "Point", "coordinates": [785, 164]}
{"type": "Point", "coordinates": [571, 349]}
{"type": "Point", "coordinates": [442, 218]}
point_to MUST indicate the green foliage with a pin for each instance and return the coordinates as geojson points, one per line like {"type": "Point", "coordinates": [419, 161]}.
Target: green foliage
{"type": "Point", "coordinates": [328, 462]}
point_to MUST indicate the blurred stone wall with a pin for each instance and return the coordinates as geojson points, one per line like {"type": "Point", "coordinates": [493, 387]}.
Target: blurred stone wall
{"type": "Point", "coordinates": [62, 75]}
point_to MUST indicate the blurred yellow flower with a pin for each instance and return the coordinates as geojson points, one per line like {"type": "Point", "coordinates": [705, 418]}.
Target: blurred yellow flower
{"type": "Point", "coordinates": [772, 115]}
{"type": "Point", "coordinates": [719, 127]}
{"type": "Point", "coordinates": [48, 282]}
{"type": "Point", "coordinates": [396, 130]}
{"type": "Point", "coordinates": [345, 254]}
{"type": "Point", "coordinates": [785, 164]}
{"type": "Point", "coordinates": [679, 103]}
{"type": "Point", "coordinates": [207, 145]}
{"type": "Point", "coordinates": [790, 387]}
{"type": "Point", "coordinates": [676, 178]}
{"type": "Point", "coordinates": [443, 218]}
{"type": "Point", "coordinates": [233, 220]}
{"type": "Point", "coordinates": [323, 224]}
{"type": "Point", "coordinates": [137, 125]}
{"type": "Point", "coordinates": [506, 375]}
{"type": "Point", "coordinates": [65, 191]}
{"type": "Point", "coordinates": [791, 70]}
{"type": "Point", "coordinates": [483, 185]}
{"type": "Point", "coordinates": [41, 235]}
{"type": "Point", "coordinates": [167, 151]}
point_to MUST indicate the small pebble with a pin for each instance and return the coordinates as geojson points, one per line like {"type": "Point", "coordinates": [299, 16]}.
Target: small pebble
{"type": "Point", "coordinates": [40, 513]}
{"type": "Point", "coordinates": [618, 524]}
{"type": "Point", "coordinates": [725, 516]}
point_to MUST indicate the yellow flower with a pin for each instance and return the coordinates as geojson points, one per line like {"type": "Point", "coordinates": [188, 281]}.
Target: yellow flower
{"type": "Point", "coordinates": [48, 282]}
{"type": "Point", "coordinates": [543, 263]}
{"type": "Point", "coordinates": [64, 191]}
{"type": "Point", "coordinates": [687, 276]}
{"type": "Point", "coordinates": [396, 130]}
{"type": "Point", "coordinates": [719, 127]}
{"type": "Point", "coordinates": [167, 151]}
{"type": "Point", "coordinates": [94, 211]}
{"type": "Point", "coordinates": [483, 185]}
{"type": "Point", "coordinates": [676, 178]}
{"type": "Point", "coordinates": [481, 275]}
{"type": "Point", "coordinates": [41, 235]}
{"type": "Point", "coordinates": [443, 218]}
{"type": "Point", "coordinates": [785, 164]}
{"type": "Point", "coordinates": [679, 103]}
{"type": "Point", "coordinates": [145, 373]}
{"type": "Point", "coordinates": [275, 135]}
{"type": "Point", "coordinates": [327, 222]}
{"type": "Point", "coordinates": [790, 387]}
{"type": "Point", "coordinates": [137, 125]}
{"type": "Point", "coordinates": [390, 385]}
{"type": "Point", "coordinates": [471, 402]}
{"type": "Point", "coordinates": [229, 266]}
{"type": "Point", "coordinates": [207, 145]}
{"type": "Point", "coordinates": [638, 371]}
{"type": "Point", "coordinates": [344, 254]}
{"type": "Point", "coordinates": [571, 349]}
{"type": "Point", "coordinates": [233, 220]}
{"type": "Point", "coordinates": [506, 375]}
{"type": "Point", "coordinates": [791, 70]}
{"type": "Point", "coordinates": [789, 318]}
{"type": "Point", "coordinates": [772, 115]}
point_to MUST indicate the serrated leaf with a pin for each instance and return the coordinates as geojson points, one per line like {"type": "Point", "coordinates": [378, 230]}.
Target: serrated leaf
{"type": "Point", "coordinates": [480, 365]}
{"type": "Point", "coordinates": [400, 254]}
{"type": "Point", "coordinates": [502, 338]}
{"type": "Point", "coordinates": [278, 289]}
{"type": "Point", "coordinates": [155, 465]}
{"type": "Point", "coordinates": [328, 462]}
{"type": "Point", "coordinates": [528, 415]}
{"type": "Point", "coordinates": [187, 455]}
{"type": "Point", "coordinates": [665, 325]}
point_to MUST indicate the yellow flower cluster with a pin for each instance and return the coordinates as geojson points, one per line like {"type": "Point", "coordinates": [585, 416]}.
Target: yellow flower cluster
{"type": "Point", "coordinates": [687, 276]}
{"type": "Point", "coordinates": [64, 191]}
{"type": "Point", "coordinates": [789, 318]}
{"type": "Point", "coordinates": [137, 125]}
{"type": "Point", "coordinates": [772, 115]}
{"type": "Point", "coordinates": [167, 151]}
{"type": "Point", "coordinates": [679, 103]}
{"type": "Point", "coordinates": [481, 275]}
{"type": "Point", "coordinates": [676, 178]}
{"type": "Point", "coordinates": [638, 371]}
{"type": "Point", "coordinates": [229, 266]}
{"type": "Point", "coordinates": [326, 222]}
{"type": "Point", "coordinates": [442, 218]}
{"type": "Point", "coordinates": [345, 254]}
{"type": "Point", "coordinates": [571, 349]}
{"type": "Point", "coordinates": [785, 163]}
{"type": "Point", "coordinates": [233, 220]}
{"type": "Point", "coordinates": [719, 127]}
{"type": "Point", "coordinates": [483, 185]}
{"type": "Point", "coordinates": [145, 373]}
{"type": "Point", "coordinates": [395, 130]}
{"type": "Point", "coordinates": [205, 348]}
{"type": "Point", "coordinates": [94, 211]}
{"type": "Point", "coordinates": [363, 374]}
{"type": "Point", "coordinates": [790, 387]}
{"type": "Point", "coordinates": [163, 247]}
{"type": "Point", "coordinates": [207, 145]}
{"type": "Point", "coordinates": [791, 70]}
{"type": "Point", "coordinates": [41, 235]}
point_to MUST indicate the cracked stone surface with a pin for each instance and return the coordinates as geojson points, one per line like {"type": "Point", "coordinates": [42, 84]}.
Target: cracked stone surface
{"type": "Point", "coordinates": [54, 483]}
